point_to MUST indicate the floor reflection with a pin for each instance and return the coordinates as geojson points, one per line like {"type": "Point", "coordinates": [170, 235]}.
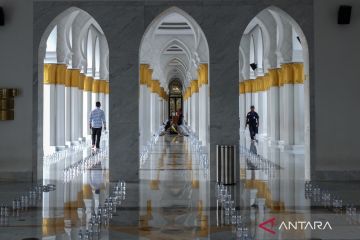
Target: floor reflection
{"type": "Point", "coordinates": [174, 192]}
{"type": "Point", "coordinates": [175, 199]}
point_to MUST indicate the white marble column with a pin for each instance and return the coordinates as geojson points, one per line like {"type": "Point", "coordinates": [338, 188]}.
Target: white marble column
{"type": "Point", "coordinates": [263, 113]}
{"type": "Point", "coordinates": [153, 112]}
{"type": "Point", "coordinates": [242, 111]}
{"type": "Point", "coordinates": [142, 115]}
{"type": "Point", "coordinates": [80, 109]}
{"type": "Point", "coordinates": [287, 136]}
{"type": "Point", "coordinates": [190, 109]}
{"type": "Point", "coordinates": [74, 114]}
{"type": "Point", "coordinates": [49, 115]}
{"type": "Point", "coordinates": [68, 125]}
{"type": "Point", "coordinates": [87, 107]}
{"type": "Point", "coordinates": [299, 119]}
{"type": "Point", "coordinates": [147, 119]}
{"type": "Point", "coordinates": [275, 115]}
{"type": "Point", "coordinates": [195, 112]}
{"type": "Point", "coordinates": [60, 105]}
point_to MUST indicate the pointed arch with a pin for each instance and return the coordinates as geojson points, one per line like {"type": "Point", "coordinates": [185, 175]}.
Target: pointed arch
{"type": "Point", "coordinates": [54, 85]}
{"type": "Point", "coordinates": [174, 47]}
{"type": "Point", "coordinates": [277, 29]}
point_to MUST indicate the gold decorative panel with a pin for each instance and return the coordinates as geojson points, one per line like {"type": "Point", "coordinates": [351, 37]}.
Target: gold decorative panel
{"type": "Point", "coordinates": [7, 105]}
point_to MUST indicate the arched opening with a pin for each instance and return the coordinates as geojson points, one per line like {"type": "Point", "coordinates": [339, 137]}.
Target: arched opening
{"type": "Point", "coordinates": [73, 62]}
{"type": "Point", "coordinates": [174, 47]}
{"type": "Point", "coordinates": [174, 89]}
{"type": "Point", "coordinates": [277, 84]}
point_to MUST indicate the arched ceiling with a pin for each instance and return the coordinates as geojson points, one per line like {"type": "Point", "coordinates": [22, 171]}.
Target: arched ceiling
{"type": "Point", "coordinates": [174, 45]}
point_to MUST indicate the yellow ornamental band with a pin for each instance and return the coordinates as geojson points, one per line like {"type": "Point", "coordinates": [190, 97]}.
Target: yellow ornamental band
{"type": "Point", "coordinates": [241, 87]}
{"type": "Point", "coordinates": [50, 73]}
{"type": "Point", "coordinates": [107, 90]}
{"type": "Point", "coordinates": [61, 74]}
{"type": "Point", "coordinates": [81, 81]}
{"type": "Point", "coordinates": [287, 73]}
{"type": "Point", "coordinates": [96, 86]}
{"type": "Point", "coordinates": [299, 74]}
{"type": "Point", "coordinates": [154, 86]}
{"type": "Point", "coordinates": [143, 73]}
{"type": "Point", "coordinates": [149, 77]}
{"type": "Point", "coordinates": [248, 86]}
{"type": "Point", "coordinates": [72, 77]}
{"type": "Point", "coordinates": [274, 77]}
{"type": "Point", "coordinates": [189, 91]}
{"type": "Point", "coordinates": [205, 73]}
{"type": "Point", "coordinates": [88, 82]}
{"type": "Point", "coordinates": [194, 86]}
{"type": "Point", "coordinates": [102, 86]}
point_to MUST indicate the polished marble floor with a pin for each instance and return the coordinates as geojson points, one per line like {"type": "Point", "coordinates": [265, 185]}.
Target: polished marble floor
{"type": "Point", "coordinates": [175, 199]}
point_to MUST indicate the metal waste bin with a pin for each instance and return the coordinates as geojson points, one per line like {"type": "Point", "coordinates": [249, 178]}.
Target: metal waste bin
{"type": "Point", "coordinates": [225, 159]}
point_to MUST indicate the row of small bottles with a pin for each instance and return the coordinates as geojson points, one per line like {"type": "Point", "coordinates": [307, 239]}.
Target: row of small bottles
{"type": "Point", "coordinates": [101, 217]}
{"type": "Point", "coordinates": [330, 201]}
{"type": "Point", "coordinates": [23, 203]}
{"type": "Point", "coordinates": [231, 214]}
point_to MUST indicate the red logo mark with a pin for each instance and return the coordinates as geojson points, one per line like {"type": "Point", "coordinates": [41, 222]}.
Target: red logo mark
{"type": "Point", "coordinates": [272, 222]}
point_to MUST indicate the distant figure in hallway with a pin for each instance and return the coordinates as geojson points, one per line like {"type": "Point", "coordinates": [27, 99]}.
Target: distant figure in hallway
{"type": "Point", "coordinates": [96, 122]}
{"type": "Point", "coordinates": [252, 119]}
{"type": "Point", "coordinates": [181, 117]}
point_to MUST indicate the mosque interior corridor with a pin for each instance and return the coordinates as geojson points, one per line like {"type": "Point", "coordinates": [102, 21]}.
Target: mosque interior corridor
{"type": "Point", "coordinates": [177, 120]}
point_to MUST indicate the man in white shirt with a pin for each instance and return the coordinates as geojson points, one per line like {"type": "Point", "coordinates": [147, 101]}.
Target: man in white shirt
{"type": "Point", "coordinates": [96, 122]}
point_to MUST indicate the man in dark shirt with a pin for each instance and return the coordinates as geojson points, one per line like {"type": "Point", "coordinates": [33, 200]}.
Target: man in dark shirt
{"type": "Point", "coordinates": [252, 119]}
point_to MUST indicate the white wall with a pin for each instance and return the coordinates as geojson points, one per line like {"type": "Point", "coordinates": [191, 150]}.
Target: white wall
{"type": "Point", "coordinates": [16, 53]}
{"type": "Point", "coordinates": [337, 84]}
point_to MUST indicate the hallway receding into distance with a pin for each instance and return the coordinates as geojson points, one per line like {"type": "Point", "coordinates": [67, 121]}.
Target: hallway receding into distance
{"type": "Point", "coordinates": [214, 120]}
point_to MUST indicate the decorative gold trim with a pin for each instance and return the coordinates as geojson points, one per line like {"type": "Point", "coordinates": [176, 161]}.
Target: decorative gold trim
{"type": "Point", "coordinates": [248, 86]}
{"type": "Point", "coordinates": [287, 74]}
{"type": "Point", "coordinates": [299, 74]}
{"type": "Point", "coordinates": [88, 82]}
{"type": "Point", "coordinates": [74, 77]}
{"type": "Point", "coordinates": [203, 75]}
{"type": "Point", "coordinates": [107, 89]}
{"type": "Point", "coordinates": [102, 86]}
{"type": "Point", "coordinates": [96, 86]}
{"type": "Point", "coordinates": [274, 77]}
{"type": "Point", "coordinates": [60, 73]}
{"type": "Point", "coordinates": [194, 86]}
{"type": "Point", "coordinates": [241, 87]}
{"type": "Point", "coordinates": [149, 77]}
{"type": "Point", "coordinates": [143, 73]}
{"type": "Point", "coordinates": [50, 73]}
{"type": "Point", "coordinates": [81, 81]}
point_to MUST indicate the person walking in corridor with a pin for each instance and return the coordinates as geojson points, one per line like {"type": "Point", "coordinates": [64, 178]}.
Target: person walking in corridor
{"type": "Point", "coordinates": [252, 119]}
{"type": "Point", "coordinates": [96, 122]}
